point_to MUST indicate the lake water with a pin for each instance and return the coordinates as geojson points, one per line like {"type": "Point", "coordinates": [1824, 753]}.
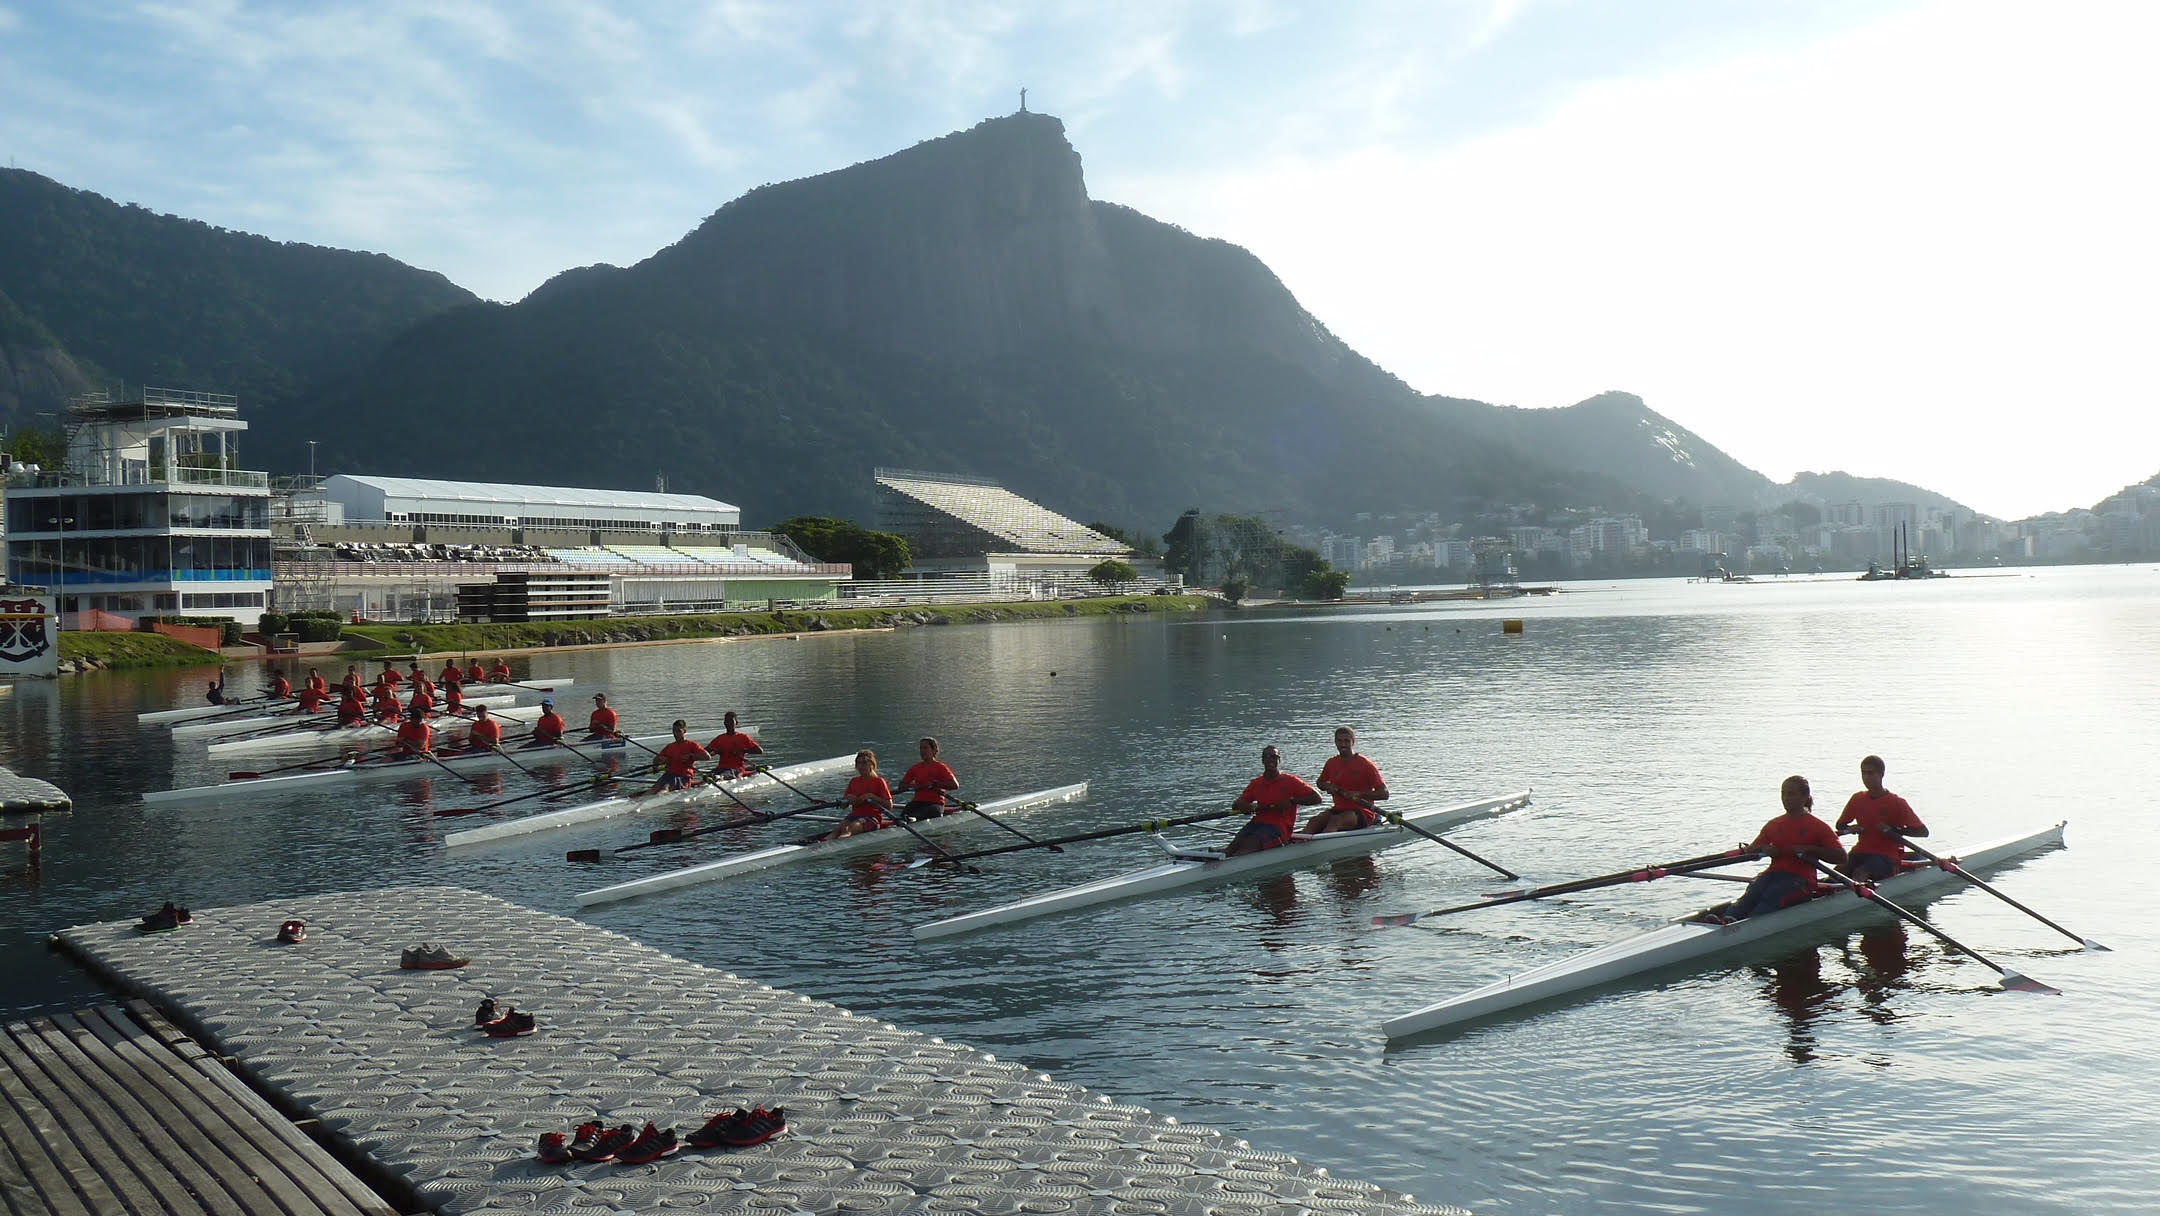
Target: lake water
{"type": "Point", "coordinates": [1654, 720]}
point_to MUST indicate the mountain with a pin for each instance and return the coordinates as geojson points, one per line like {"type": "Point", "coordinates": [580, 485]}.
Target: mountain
{"type": "Point", "coordinates": [1834, 488]}
{"type": "Point", "coordinates": [94, 287]}
{"type": "Point", "coordinates": [962, 306]}
{"type": "Point", "coordinates": [1615, 434]}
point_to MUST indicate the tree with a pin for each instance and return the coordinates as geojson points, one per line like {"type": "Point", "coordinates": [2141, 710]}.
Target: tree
{"type": "Point", "coordinates": [1142, 546]}
{"type": "Point", "coordinates": [1188, 550]}
{"type": "Point", "coordinates": [1234, 589]}
{"type": "Point", "coordinates": [873, 554]}
{"type": "Point", "coordinates": [30, 445]}
{"type": "Point", "coordinates": [1112, 570]}
{"type": "Point", "coordinates": [1326, 584]}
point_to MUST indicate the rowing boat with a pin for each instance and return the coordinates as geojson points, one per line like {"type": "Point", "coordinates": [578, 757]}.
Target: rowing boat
{"type": "Point", "coordinates": [1194, 868]}
{"type": "Point", "coordinates": [789, 854]}
{"type": "Point", "coordinates": [297, 720]}
{"type": "Point", "coordinates": [1682, 941]}
{"type": "Point", "coordinates": [362, 736]}
{"type": "Point", "coordinates": [390, 766]}
{"type": "Point", "coordinates": [608, 808]}
{"type": "Point", "coordinates": [194, 712]}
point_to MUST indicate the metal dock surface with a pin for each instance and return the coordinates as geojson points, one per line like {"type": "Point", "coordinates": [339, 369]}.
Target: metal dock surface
{"type": "Point", "coordinates": [114, 1111]}
{"type": "Point", "coordinates": [880, 1119]}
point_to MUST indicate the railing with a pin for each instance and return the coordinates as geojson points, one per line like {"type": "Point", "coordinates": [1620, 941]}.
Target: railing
{"type": "Point", "coordinates": [451, 569]}
{"type": "Point", "coordinates": [150, 478]}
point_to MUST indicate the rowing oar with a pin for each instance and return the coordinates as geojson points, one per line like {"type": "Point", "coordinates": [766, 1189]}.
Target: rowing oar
{"type": "Point", "coordinates": [1152, 825]}
{"type": "Point", "coordinates": [1614, 879]}
{"type": "Point", "coordinates": [318, 763]}
{"type": "Point", "coordinates": [898, 820]}
{"type": "Point", "coordinates": [2011, 980]}
{"type": "Point", "coordinates": [678, 835]}
{"type": "Point", "coordinates": [1950, 864]}
{"type": "Point", "coordinates": [596, 780]}
{"type": "Point", "coordinates": [1396, 818]}
{"type": "Point", "coordinates": [965, 805]}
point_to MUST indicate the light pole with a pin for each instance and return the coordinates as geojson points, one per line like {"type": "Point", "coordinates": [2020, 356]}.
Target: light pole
{"type": "Point", "coordinates": [59, 524]}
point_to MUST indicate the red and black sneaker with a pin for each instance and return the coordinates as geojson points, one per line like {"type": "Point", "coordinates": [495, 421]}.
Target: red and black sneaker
{"type": "Point", "coordinates": [164, 920]}
{"type": "Point", "coordinates": [760, 1126]}
{"type": "Point", "coordinates": [292, 932]}
{"type": "Point", "coordinates": [587, 1134]}
{"type": "Point", "coordinates": [511, 1025]}
{"type": "Point", "coordinates": [487, 1015]}
{"type": "Point", "coordinates": [651, 1145]}
{"type": "Point", "coordinates": [709, 1136]}
{"type": "Point", "coordinates": [606, 1145]}
{"type": "Point", "coordinates": [553, 1150]}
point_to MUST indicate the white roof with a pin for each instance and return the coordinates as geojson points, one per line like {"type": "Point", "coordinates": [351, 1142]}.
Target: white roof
{"type": "Point", "coordinates": [499, 493]}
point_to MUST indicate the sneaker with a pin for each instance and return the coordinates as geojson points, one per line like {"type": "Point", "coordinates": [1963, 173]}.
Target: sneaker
{"type": "Point", "coordinates": [760, 1126]}
{"type": "Point", "coordinates": [606, 1145]}
{"type": "Point", "coordinates": [651, 1145]}
{"type": "Point", "coordinates": [182, 915]}
{"type": "Point", "coordinates": [292, 932]}
{"type": "Point", "coordinates": [711, 1135]}
{"type": "Point", "coordinates": [553, 1150]}
{"type": "Point", "coordinates": [487, 1014]}
{"type": "Point", "coordinates": [164, 920]}
{"type": "Point", "coordinates": [511, 1025]}
{"type": "Point", "coordinates": [429, 957]}
{"type": "Point", "coordinates": [587, 1135]}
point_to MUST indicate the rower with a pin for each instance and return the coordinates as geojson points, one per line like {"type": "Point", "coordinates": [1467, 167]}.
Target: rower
{"type": "Point", "coordinates": [422, 702]}
{"type": "Point", "coordinates": [420, 679]}
{"type": "Point", "coordinates": [499, 673]}
{"type": "Point", "coordinates": [549, 728]}
{"type": "Point", "coordinates": [679, 760]}
{"type": "Point", "coordinates": [350, 710]}
{"type": "Point", "coordinates": [449, 671]}
{"type": "Point", "coordinates": [216, 692]}
{"type": "Point", "coordinates": [601, 725]}
{"type": "Point", "coordinates": [1355, 783]}
{"type": "Point", "coordinates": [280, 687]}
{"type": "Point", "coordinates": [473, 674]}
{"type": "Point", "coordinates": [1272, 799]}
{"type": "Point", "coordinates": [316, 682]}
{"type": "Point", "coordinates": [485, 734]}
{"type": "Point", "coordinates": [389, 674]}
{"type": "Point", "coordinates": [1880, 818]}
{"type": "Point", "coordinates": [730, 746]}
{"type": "Point", "coordinates": [453, 694]}
{"type": "Point", "coordinates": [928, 780]}
{"type": "Point", "coordinates": [385, 701]}
{"type": "Point", "coordinates": [867, 799]}
{"type": "Point", "coordinates": [1794, 842]}
{"type": "Point", "coordinates": [311, 698]}
{"type": "Point", "coordinates": [353, 680]}
{"type": "Point", "coordinates": [415, 737]}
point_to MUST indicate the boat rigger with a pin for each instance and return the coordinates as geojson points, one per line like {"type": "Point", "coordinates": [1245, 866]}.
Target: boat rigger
{"type": "Point", "coordinates": [789, 854]}
{"type": "Point", "coordinates": [261, 705]}
{"type": "Point", "coordinates": [607, 808]}
{"type": "Point", "coordinates": [1683, 941]}
{"type": "Point", "coordinates": [363, 736]}
{"type": "Point", "coordinates": [1194, 868]}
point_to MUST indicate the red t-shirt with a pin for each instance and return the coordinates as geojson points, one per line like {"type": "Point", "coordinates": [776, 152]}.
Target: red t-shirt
{"type": "Point", "coordinates": [602, 722]}
{"type": "Point", "coordinates": [280, 687]}
{"type": "Point", "coordinates": [385, 696]}
{"type": "Point", "coordinates": [1353, 774]}
{"type": "Point", "coordinates": [449, 673]}
{"type": "Point", "coordinates": [391, 677]}
{"type": "Point", "coordinates": [421, 700]}
{"type": "Point", "coordinates": [1278, 798]}
{"type": "Point", "coordinates": [860, 790]}
{"type": "Point", "coordinates": [928, 780]}
{"type": "Point", "coordinates": [453, 698]}
{"type": "Point", "coordinates": [1791, 831]}
{"type": "Point", "coordinates": [1871, 815]}
{"type": "Point", "coordinates": [352, 681]}
{"type": "Point", "coordinates": [549, 728]}
{"type": "Point", "coordinates": [474, 675]}
{"type": "Point", "coordinates": [311, 699]}
{"type": "Point", "coordinates": [499, 674]}
{"type": "Point", "coordinates": [730, 748]}
{"type": "Point", "coordinates": [485, 732]}
{"type": "Point", "coordinates": [350, 710]}
{"type": "Point", "coordinates": [415, 737]}
{"type": "Point", "coordinates": [681, 757]}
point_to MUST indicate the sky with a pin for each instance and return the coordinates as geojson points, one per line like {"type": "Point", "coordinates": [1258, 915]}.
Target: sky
{"type": "Point", "coordinates": [1901, 239]}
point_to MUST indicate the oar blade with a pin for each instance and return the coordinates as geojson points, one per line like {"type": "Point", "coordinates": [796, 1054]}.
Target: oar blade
{"type": "Point", "coordinates": [2014, 982]}
{"type": "Point", "coordinates": [1395, 922]}
{"type": "Point", "coordinates": [2090, 944]}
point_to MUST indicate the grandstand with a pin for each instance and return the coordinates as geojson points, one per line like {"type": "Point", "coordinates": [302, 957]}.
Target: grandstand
{"type": "Point", "coordinates": [418, 500]}
{"type": "Point", "coordinates": [956, 523]}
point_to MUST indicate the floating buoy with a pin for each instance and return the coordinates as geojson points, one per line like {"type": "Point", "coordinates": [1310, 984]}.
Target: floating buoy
{"type": "Point", "coordinates": [1511, 625]}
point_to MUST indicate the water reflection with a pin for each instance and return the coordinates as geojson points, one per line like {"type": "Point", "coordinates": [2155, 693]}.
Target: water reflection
{"type": "Point", "coordinates": [1352, 877]}
{"type": "Point", "coordinates": [1797, 988]}
{"type": "Point", "coordinates": [1885, 960]}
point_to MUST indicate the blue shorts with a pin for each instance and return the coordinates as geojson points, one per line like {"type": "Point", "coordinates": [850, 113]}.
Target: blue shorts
{"type": "Point", "coordinates": [1871, 867]}
{"type": "Point", "coordinates": [1259, 835]}
{"type": "Point", "coordinates": [1771, 890]}
{"type": "Point", "coordinates": [675, 781]}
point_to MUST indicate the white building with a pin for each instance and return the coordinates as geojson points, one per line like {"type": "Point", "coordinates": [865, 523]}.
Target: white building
{"type": "Point", "coordinates": [151, 514]}
{"type": "Point", "coordinates": [366, 498]}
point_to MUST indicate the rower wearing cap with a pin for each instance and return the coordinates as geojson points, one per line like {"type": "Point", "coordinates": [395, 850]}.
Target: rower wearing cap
{"type": "Point", "coordinates": [1272, 799]}
{"type": "Point", "coordinates": [550, 727]}
{"type": "Point", "coordinates": [730, 746]}
{"type": "Point", "coordinates": [1794, 842]}
{"type": "Point", "coordinates": [415, 737]}
{"type": "Point", "coordinates": [868, 799]}
{"type": "Point", "coordinates": [679, 759]}
{"type": "Point", "coordinates": [485, 733]}
{"type": "Point", "coordinates": [928, 781]}
{"type": "Point", "coordinates": [601, 725]}
{"type": "Point", "coordinates": [1355, 783]}
{"type": "Point", "coordinates": [1881, 818]}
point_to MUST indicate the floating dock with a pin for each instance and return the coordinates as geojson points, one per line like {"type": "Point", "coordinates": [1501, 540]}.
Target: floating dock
{"type": "Point", "coordinates": [880, 1119]}
{"type": "Point", "coordinates": [28, 795]}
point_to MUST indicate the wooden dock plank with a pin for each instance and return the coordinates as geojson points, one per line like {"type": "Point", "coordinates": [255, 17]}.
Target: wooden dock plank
{"type": "Point", "coordinates": [118, 1132]}
{"type": "Point", "coordinates": [287, 1175]}
{"type": "Point", "coordinates": [63, 1127]}
{"type": "Point", "coordinates": [210, 1068]}
{"type": "Point", "coordinates": [33, 1184]}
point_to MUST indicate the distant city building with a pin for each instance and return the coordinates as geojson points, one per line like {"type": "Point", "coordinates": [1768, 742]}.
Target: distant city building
{"type": "Point", "coordinates": [151, 513]}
